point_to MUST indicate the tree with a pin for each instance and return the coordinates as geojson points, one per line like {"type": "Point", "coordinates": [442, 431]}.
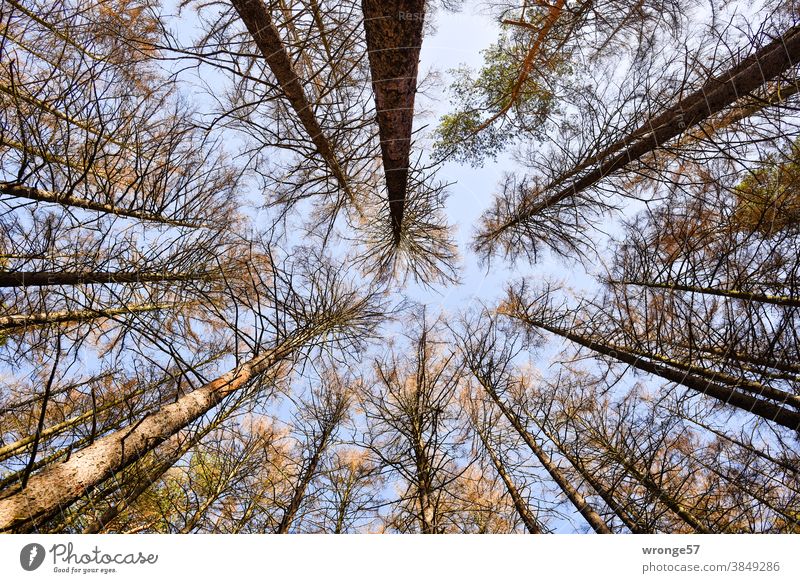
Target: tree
{"type": "Point", "coordinates": [602, 335]}
{"type": "Point", "coordinates": [327, 135]}
{"type": "Point", "coordinates": [412, 428]}
{"type": "Point", "coordinates": [531, 69]}
{"type": "Point", "coordinates": [320, 420]}
{"type": "Point", "coordinates": [331, 311]}
{"type": "Point", "coordinates": [551, 210]}
{"type": "Point", "coordinates": [394, 38]}
{"type": "Point", "coordinates": [489, 357]}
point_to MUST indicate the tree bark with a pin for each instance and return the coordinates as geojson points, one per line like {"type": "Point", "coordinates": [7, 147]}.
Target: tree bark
{"type": "Point", "coordinates": [59, 317]}
{"type": "Point", "coordinates": [579, 502]}
{"type": "Point", "coordinates": [45, 278]}
{"type": "Point", "coordinates": [780, 415]}
{"type": "Point", "coordinates": [751, 73]}
{"type": "Point", "coordinates": [62, 484]}
{"type": "Point", "coordinates": [41, 195]}
{"type": "Point", "coordinates": [394, 36]}
{"type": "Point", "coordinates": [597, 486]}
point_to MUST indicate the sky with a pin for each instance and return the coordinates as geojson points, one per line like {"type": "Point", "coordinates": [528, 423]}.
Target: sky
{"type": "Point", "coordinates": [458, 40]}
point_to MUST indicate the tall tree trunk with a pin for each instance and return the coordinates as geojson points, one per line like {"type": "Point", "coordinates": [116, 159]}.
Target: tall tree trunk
{"type": "Point", "coordinates": [306, 476]}
{"type": "Point", "coordinates": [779, 300]}
{"type": "Point", "coordinates": [10, 449]}
{"type": "Point", "coordinates": [41, 195]}
{"type": "Point", "coordinates": [394, 36]}
{"type": "Point", "coordinates": [646, 480]}
{"type": "Point", "coordinates": [258, 20]}
{"type": "Point", "coordinates": [45, 278]}
{"type": "Point", "coordinates": [753, 387]}
{"type": "Point", "coordinates": [59, 317]}
{"type": "Point", "coordinates": [785, 366]}
{"type": "Point", "coordinates": [720, 92]}
{"type": "Point", "coordinates": [525, 514]}
{"type": "Point", "coordinates": [608, 497]}
{"type": "Point", "coordinates": [725, 394]}
{"type": "Point", "coordinates": [62, 484]}
{"type": "Point", "coordinates": [578, 501]}
{"type": "Point", "coordinates": [169, 456]}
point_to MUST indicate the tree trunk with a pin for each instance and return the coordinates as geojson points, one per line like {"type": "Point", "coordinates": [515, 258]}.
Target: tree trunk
{"type": "Point", "coordinates": [305, 479]}
{"type": "Point", "coordinates": [646, 480]}
{"type": "Point", "coordinates": [572, 493]}
{"type": "Point", "coordinates": [756, 388]}
{"type": "Point", "coordinates": [24, 320]}
{"type": "Point", "coordinates": [45, 278]}
{"type": "Point", "coordinates": [728, 395]}
{"type": "Point", "coordinates": [60, 485]}
{"type": "Point", "coordinates": [525, 514]}
{"type": "Point", "coordinates": [257, 19]}
{"type": "Point", "coordinates": [629, 521]}
{"type": "Point", "coordinates": [778, 300]}
{"type": "Point", "coordinates": [394, 36]}
{"type": "Point", "coordinates": [151, 476]}
{"type": "Point", "coordinates": [718, 93]}
{"type": "Point", "coordinates": [38, 194]}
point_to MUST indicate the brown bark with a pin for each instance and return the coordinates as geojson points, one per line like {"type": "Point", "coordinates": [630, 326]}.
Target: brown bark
{"type": "Point", "coordinates": [45, 278]}
{"type": "Point", "coordinates": [751, 73]}
{"type": "Point", "coordinates": [394, 36]}
{"type": "Point", "coordinates": [151, 475]}
{"type": "Point", "coordinates": [61, 485]}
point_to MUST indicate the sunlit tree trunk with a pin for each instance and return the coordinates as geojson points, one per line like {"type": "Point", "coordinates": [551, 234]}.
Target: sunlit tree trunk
{"type": "Point", "coordinates": [60, 485]}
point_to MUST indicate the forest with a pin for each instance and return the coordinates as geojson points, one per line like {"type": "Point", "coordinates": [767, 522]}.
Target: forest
{"type": "Point", "coordinates": [266, 266]}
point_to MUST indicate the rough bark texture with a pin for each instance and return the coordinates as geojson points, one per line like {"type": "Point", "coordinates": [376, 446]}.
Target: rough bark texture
{"type": "Point", "coordinates": [257, 19]}
{"type": "Point", "coordinates": [60, 485]}
{"type": "Point", "coordinates": [394, 37]}
{"type": "Point", "coordinates": [172, 451]}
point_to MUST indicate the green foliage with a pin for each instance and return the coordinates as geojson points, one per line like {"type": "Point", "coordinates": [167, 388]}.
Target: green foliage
{"type": "Point", "coordinates": [476, 98]}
